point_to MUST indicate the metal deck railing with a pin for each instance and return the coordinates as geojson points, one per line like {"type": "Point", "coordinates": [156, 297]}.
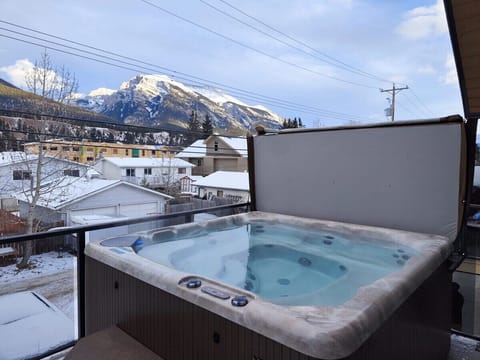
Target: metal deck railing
{"type": "Point", "coordinates": [79, 237]}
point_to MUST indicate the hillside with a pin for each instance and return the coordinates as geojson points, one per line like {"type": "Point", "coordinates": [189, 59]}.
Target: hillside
{"type": "Point", "coordinates": [17, 102]}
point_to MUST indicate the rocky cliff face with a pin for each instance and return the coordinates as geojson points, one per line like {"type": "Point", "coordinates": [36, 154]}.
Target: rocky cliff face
{"type": "Point", "coordinates": [157, 100]}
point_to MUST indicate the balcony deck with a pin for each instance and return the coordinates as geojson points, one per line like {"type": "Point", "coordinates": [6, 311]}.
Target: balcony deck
{"type": "Point", "coordinates": [469, 281]}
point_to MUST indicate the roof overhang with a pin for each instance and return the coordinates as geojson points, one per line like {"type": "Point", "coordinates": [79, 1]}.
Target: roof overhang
{"type": "Point", "coordinates": [463, 18]}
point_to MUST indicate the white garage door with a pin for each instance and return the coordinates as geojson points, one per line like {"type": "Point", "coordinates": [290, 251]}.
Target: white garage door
{"type": "Point", "coordinates": [139, 210]}
{"type": "Point", "coordinates": [107, 210]}
{"type": "Point", "coordinates": [225, 164]}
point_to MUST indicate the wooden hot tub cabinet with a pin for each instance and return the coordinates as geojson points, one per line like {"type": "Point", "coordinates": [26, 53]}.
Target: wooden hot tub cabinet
{"type": "Point", "coordinates": [176, 329]}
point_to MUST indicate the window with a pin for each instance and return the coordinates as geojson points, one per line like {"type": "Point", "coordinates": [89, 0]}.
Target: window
{"type": "Point", "coordinates": [103, 150]}
{"type": "Point", "coordinates": [76, 158]}
{"type": "Point", "coordinates": [53, 148]}
{"type": "Point", "coordinates": [76, 148]}
{"type": "Point", "coordinates": [153, 152]}
{"type": "Point", "coordinates": [215, 146]}
{"type": "Point", "coordinates": [182, 170]}
{"type": "Point", "coordinates": [115, 151]}
{"type": "Point", "coordinates": [89, 149]}
{"type": "Point", "coordinates": [130, 172]}
{"type": "Point", "coordinates": [199, 162]}
{"type": "Point", "coordinates": [219, 193]}
{"type": "Point", "coordinates": [71, 172]}
{"type": "Point", "coordinates": [44, 147]}
{"type": "Point", "coordinates": [89, 158]}
{"type": "Point", "coordinates": [126, 151]}
{"type": "Point", "coordinates": [143, 152]}
{"type": "Point", "coordinates": [65, 148]}
{"type": "Point", "coordinates": [147, 171]}
{"type": "Point", "coordinates": [22, 174]}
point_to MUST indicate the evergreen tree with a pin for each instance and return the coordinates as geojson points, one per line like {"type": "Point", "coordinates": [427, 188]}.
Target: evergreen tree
{"type": "Point", "coordinates": [295, 123]}
{"type": "Point", "coordinates": [300, 125]}
{"type": "Point", "coordinates": [207, 126]}
{"type": "Point", "coordinates": [193, 127]}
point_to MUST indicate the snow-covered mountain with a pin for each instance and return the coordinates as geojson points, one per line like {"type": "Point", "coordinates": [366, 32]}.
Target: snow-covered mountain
{"type": "Point", "coordinates": [157, 100]}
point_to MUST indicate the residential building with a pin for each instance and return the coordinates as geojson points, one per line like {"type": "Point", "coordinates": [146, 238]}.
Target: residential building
{"type": "Point", "coordinates": [87, 152]}
{"type": "Point", "coordinates": [152, 172]}
{"type": "Point", "coordinates": [216, 153]}
{"type": "Point", "coordinates": [226, 184]}
{"type": "Point", "coordinates": [74, 199]}
{"type": "Point", "coordinates": [188, 185]}
{"type": "Point", "coordinates": [18, 171]}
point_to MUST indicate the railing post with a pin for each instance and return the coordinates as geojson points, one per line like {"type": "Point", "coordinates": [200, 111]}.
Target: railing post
{"type": "Point", "coordinates": [81, 283]}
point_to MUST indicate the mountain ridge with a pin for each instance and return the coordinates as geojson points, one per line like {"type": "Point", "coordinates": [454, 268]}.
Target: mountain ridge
{"type": "Point", "coordinates": [158, 100]}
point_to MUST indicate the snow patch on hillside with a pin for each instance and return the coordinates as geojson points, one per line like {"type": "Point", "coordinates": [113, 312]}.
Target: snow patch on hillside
{"type": "Point", "coordinates": [101, 91]}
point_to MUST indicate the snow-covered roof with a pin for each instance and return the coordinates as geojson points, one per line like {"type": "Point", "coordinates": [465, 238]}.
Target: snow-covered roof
{"type": "Point", "coordinates": [11, 157]}
{"type": "Point", "coordinates": [195, 178]}
{"type": "Point", "coordinates": [123, 162]}
{"type": "Point", "coordinates": [237, 144]}
{"type": "Point", "coordinates": [94, 219]}
{"type": "Point", "coordinates": [225, 180]}
{"type": "Point", "coordinates": [17, 157]}
{"type": "Point", "coordinates": [197, 150]}
{"type": "Point", "coordinates": [30, 325]}
{"type": "Point", "coordinates": [73, 189]}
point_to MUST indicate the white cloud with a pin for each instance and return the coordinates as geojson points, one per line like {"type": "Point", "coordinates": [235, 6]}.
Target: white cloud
{"type": "Point", "coordinates": [423, 21]}
{"type": "Point", "coordinates": [450, 77]}
{"type": "Point", "coordinates": [16, 73]}
{"type": "Point", "coordinates": [426, 69]}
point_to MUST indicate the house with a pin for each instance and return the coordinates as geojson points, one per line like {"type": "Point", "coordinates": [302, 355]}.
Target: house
{"type": "Point", "coordinates": [75, 198]}
{"type": "Point", "coordinates": [18, 171]}
{"type": "Point", "coordinates": [216, 153]}
{"type": "Point", "coordinates": [152, 172]}
{"type": "Point", "coordinates": [188, 185]}
{"type": "Point", "coordinates": [226, 184]}
{"type": "Point", "coordinates": [87, 152]}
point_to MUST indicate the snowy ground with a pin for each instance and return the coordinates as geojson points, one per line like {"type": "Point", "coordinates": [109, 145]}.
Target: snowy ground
{"type": "Point", "coordinates": [55, 279]}
{"type": "Point", "coordinates": [50, 276]}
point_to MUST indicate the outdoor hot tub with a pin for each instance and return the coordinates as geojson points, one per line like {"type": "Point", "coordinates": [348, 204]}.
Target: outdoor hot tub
{"type": "Point", "coordinates": [295, 278]}
{"type": "Point", "coordinates": [254, 285]}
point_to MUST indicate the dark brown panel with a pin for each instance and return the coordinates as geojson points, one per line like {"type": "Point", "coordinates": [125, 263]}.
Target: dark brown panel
{"type": "Point", "coordinates": [463, 20]}
{"type": "Point", "coordinates": [178, 330]}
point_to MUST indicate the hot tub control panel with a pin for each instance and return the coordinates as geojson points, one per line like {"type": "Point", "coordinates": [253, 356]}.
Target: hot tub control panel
{"type": "Point", "coordinates": [215, 292]}
{"type": "Point", "coordinates": [195, 283]}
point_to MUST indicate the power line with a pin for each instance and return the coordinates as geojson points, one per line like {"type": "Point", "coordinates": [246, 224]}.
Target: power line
{"type": "Point", "coordinates": [405, 108]}
{"type": "Point", "coordinates": [415, 105]}
{"type": "Point", "coordinates": [421, 102]}
{"type": "Point", "coordinates": [129, 127]}
{"type": "Point", "coordinates": [332, 61]}
{"type": "Point", "coordinates": [282, 41]}
{"type": "Point", "coordinates": [78, 140]}
{"type": "Point", "coordinates": [254, 49]}
{"type": "Point", "coordinates": [133, 67]}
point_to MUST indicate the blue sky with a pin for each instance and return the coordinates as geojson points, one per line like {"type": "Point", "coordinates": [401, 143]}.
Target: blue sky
{"type": "Point", "coordinates": [402, 41]}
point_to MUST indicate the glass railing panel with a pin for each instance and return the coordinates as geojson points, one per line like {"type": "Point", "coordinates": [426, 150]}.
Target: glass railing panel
{"type": "Point", "coordinates": [38, 301]}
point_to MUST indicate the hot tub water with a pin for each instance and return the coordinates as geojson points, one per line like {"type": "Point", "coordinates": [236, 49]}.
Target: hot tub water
{"type": "Point", "coordinates": [282, 263]}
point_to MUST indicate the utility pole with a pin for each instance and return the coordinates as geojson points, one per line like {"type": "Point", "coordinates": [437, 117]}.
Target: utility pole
{"type": "Point", "coordinates": [393, 90]}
